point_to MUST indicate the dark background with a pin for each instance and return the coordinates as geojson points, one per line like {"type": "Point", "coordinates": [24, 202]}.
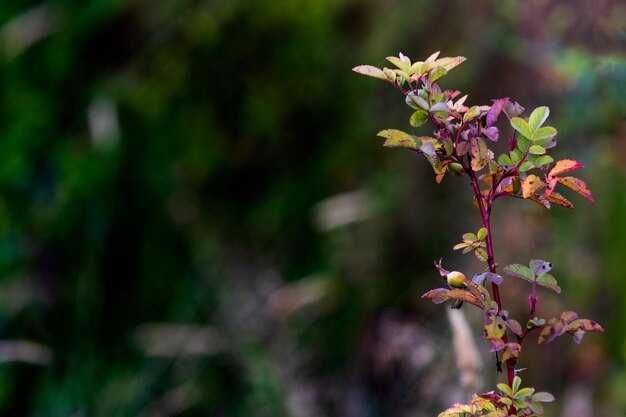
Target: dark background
{"type": "Point", "coordinates": [165, 175]}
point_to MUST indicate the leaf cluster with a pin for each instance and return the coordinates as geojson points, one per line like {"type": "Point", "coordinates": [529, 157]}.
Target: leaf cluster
{"type": "Point", "coordinates": [526, 401]}
{"type": "Point", "coordinates": [461, 140]}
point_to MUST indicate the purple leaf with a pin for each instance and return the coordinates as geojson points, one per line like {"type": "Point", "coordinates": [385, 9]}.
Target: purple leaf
{"type": "Point", "coordinates": [491, 133]}
{"type": "Point", "coordinates": [429, 149]}
{"type": "Point", "coordinates": [514, 326]}
{"type": "Point", "coordinates": [443, 272]}
{"type": "Point", "coordinates": [496, 345]}
{"type": "Point", "coordinates": [494, 111]}
{"type": "Point", "coordinates": [512, 110]}
{"type": "Point", "coordinates": [480, 278]}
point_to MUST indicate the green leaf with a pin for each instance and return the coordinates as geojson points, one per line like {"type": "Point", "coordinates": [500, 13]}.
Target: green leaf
{"type": "Point", "coordinates": [370, 71]}
{"type": "Point", "coordinates": [434, 162]}
{"type": "Point", "coordinates": [537, 117]}
{"type": "Point", "coordinates": [416, 101]}
{"type": "Point", "coordinates": [520, 271]}
{"type": "Point", "coordinates": [437, 98]}
{"type": "Point", "coordinates": [435, 74]}
{"type": "Point", "coordinates": [505, 160]}
{"type": "Point", "coordinates": [521, 126]}
{"type": "Point", "coordinates": [505, 389]}
{"type": "Point", "coordinates": [398, 138]}
{"type": "Point", "coordinates": [418, 118]}
{"type": "Point", "coordinates": [537, 150]}
{"type": "Point", "coordinates": [516, 156]}
{"type": "Point", "coordinates": [549, 282]}
{"type": "Point", "coordinates": [522, 143]}
{"type": "Point", "coordinates": [449, 63]}
{"type": "Point", "coordinates": [400, 63]}
{"type": "Point", "coordinates": [519, 404]}
{"type": "Point", "coordinates": [471, 113]}
{"type": "Point", "coordinates": [526, 166]}
{"type": "Point", "coordinates": [517, 381]}
{"type": "Point", "coordinates": [482, 233]}
{"type": "Point", "coordinates": [507, 402]}
{"type": "Point", "coordinates": [544, 160]}
{"type": "Point", "coordinates": [481, 254]}
{"type": "Point", "coordinates": [470, 237]}
{"type": "Point", "coordinates": [535, 407]}
{"type": "Point", "coordinates": [523, 393]}
{"type": "Point", "coordinates": [545, 132]}
{"type": "Point", "coordinates": [543, 397]}
{"type": "Point", "coordinates": [418, 68]}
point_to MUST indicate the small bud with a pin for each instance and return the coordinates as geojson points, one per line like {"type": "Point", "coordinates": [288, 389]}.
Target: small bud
{"type": "Point", "coordinates": [456, 168]}
{"type": "Point", "coordinates": [456, 279]}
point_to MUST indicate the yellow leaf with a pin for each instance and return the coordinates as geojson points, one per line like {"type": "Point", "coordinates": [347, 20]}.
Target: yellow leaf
{"type": "Point", "coordinates": [531, 185]}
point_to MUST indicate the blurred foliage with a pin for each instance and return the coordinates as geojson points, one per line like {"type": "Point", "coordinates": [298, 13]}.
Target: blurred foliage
{"type": "Point", "coordinates": [163, 163]}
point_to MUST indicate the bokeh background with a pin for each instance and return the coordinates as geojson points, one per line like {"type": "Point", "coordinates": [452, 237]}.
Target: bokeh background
{"type": "Point", "coordinates": [196, 218]}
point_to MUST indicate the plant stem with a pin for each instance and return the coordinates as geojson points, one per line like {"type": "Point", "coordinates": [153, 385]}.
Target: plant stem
{"type": "Point", "coordinates": [484, 205]}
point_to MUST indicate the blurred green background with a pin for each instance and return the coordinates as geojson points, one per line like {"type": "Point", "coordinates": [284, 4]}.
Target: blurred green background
{"type": "Point", "coordinates": [196, 218]}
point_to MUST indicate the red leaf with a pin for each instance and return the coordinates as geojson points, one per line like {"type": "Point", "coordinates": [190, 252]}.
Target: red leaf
{"type": "Point", "coordinates": [551, 183]}
{"type": "Point", "coordinates": [440, 295]}
{"type": "Point", "coordinates": [557, 198]}
{"type": "Point", "coordinates": [577, 185]}
{"type": "Point", "coordinates": [564, 165]}
{"type": "Point", "coordinates": [541, 200]}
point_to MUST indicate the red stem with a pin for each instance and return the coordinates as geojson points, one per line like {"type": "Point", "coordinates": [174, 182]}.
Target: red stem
{"type": "Point", "coordinates": [484, 205]}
